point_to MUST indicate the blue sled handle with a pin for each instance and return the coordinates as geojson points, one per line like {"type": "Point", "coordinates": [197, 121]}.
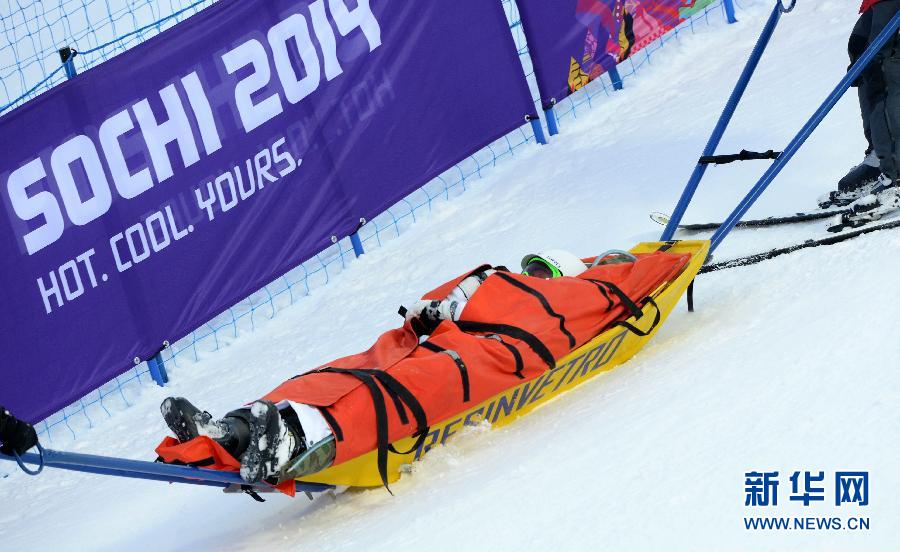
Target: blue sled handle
{"type": "Point", "coordinates": [153, 471]}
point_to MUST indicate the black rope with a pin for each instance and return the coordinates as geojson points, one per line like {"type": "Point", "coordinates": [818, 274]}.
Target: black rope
{"type": "Point", "coordinates": [743, 156]}
{"type": "Point", "coordinates": [765, 256]}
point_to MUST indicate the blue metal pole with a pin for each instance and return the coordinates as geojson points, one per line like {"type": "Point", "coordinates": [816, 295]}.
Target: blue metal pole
{"type": "Point", "coordinates": [153, 364]}
{"type": "Point", "coordinates": [161, 366]}
{"type": "Point", "coordinates": [357, 244]}
{"type": "Point", "coordinates": [537, 128]}
{"type": "Point", "coordinates": [817, 117]}
{"type": "Point", "coordinates": [729, 11]}
{"type": "Point", "coordinates": [616, 78]}
{"type": "Point", "coordinates": [550, 115]}
{"type": "Point", "coordinates": [142, 469]}
{"type": "Point", "coordinates": [688, 194]}
{"type": "Point", "coordinates": [67, 55]}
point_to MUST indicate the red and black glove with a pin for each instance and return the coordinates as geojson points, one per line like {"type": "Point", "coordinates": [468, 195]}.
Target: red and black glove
{"type": "Point", "coordinates": [15, 435]}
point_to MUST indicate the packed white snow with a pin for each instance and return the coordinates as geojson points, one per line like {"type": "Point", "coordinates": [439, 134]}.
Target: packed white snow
{"type": "Point", "coordinates": [789, 365]}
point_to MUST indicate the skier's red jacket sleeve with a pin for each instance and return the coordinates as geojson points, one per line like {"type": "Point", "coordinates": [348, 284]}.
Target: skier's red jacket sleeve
{"type": "Point", "coordinates": [867, 4]}
{"type": "Point", "coordinates": [512, 330]}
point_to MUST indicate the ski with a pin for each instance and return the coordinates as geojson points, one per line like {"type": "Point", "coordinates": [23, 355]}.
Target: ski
{"type": "Point", "coordinates": [866, 210]}
{"type": "Point", "coordinates": [663, 219]}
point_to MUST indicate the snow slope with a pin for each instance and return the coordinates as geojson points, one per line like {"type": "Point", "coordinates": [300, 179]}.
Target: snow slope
{"type": "Point", "coordinates": [787, 365]}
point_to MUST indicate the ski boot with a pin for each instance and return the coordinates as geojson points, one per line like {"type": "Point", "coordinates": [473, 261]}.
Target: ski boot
{"type": "Point", "coordinates": [884, 200]}
{"type": "Point", "coordinates": [187, 422]}
{"type": "Point", "coordinates": [858, 183]}
{"type": "Point", "coordinates": [273, 443]}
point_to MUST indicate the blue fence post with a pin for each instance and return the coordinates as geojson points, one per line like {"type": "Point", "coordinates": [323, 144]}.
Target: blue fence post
{"type": "Point", "coordinates": [355, 241]}
{"type": "Point", "coordinates": [688, 194]}
{"type": "Point", "coordinates": [889, 31]}
{"type": "Point", "coordinates": [67, 55]}
{"type": "Point", "coordinates": [729, 11]}
{"type": "Point", "coordinates": [537, 128]}
{"type": "Point", "coordinates": [157, 367]}
{"type": "Point", "coordinates": [550, 115]}
{"type": "Point", "coordinates": [616, 78]}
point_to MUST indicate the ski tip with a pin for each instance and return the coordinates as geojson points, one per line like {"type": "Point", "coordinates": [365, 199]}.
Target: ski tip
{"type": "Point", "coordinates": [661, 219]}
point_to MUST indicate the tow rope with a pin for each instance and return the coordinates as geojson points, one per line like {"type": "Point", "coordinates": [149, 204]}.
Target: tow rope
{"type": "Point", "coordinates": [765, 256]}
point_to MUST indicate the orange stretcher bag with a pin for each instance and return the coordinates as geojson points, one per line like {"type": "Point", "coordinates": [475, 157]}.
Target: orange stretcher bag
{"type": "Point", "coordinates": [513, 329]}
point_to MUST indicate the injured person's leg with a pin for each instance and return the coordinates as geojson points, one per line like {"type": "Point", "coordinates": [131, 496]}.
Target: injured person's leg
{"type": "Point", "coordinates": [264, 437]}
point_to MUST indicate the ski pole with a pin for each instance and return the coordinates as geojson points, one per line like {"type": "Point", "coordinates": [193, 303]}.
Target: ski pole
{"type": "Point", "coordinates": [855, 71]}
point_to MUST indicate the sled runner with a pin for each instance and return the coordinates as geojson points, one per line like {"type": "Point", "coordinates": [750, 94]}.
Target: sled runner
{"type": "Point", "coordinates": [612, 347]}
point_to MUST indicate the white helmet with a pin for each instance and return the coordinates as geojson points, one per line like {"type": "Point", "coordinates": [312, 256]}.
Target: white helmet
{"type": "Point", "coordinates": [560, 263]}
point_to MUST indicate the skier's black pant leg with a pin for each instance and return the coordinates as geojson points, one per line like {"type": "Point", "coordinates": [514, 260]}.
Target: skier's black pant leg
{"type": "Point", "coordinates": [859, 40]}
{"type": "Point", "coordinates": [880, 86]}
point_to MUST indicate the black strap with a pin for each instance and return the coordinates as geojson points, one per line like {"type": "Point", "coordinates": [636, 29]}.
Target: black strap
{"type": "Point", "coordinates": [626, 301]}
{"type": "Point", "coordinates": [602, 289]}
{"type": "Point", "coordinates": [460, 365]}
{"type": "Point", "coordinates": [635, 310]}
{"type": "Point", "coordinates": [197, 463]}
{"type": "Point", "coordinates": [253, 494]}
{"type": "Point", "coordinates": [517, 356]}
{"type": "Point", "coordinates": [690, 296]}
{"type": "Point", "coordinates": [514, 332]}
{"type": "Point", "coordinates": [667, 245]}
{"type": "Point", "coordinates": [637, 331]}
{"type": "Point", "coordinates": [434, 348]}
{"type": "Point", "coordinates": [332, 421]}
{"type": "Point", "coordinates": [544, 303]}
{"type": "Point", "coordinates": [743, 156]}
{"type": "Point", "coordinates": [400, 396]}
{"type": "Point", "coordinates": [395, 388]}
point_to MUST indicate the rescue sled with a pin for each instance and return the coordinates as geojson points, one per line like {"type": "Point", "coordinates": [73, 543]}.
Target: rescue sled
{"type": "Point", "coordinates": [603, 353]}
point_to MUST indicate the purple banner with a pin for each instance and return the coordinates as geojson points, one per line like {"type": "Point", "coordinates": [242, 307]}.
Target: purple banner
{"type": "Point", "coordinates": [572, 42]}
{"type": "Point", "coordinates": [154, 191]}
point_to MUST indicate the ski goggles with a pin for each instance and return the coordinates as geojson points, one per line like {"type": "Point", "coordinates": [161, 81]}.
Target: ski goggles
{"type": "Point", "coordinates": [539, 268]}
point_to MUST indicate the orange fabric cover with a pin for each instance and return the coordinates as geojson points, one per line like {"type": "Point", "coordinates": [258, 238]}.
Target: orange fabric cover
{"type": "Point", "coordinates": [434, 378]}
{"type": "Point", "coordinates": [202, 449]}
{"type": "Point", "coordinates": [196, 451]}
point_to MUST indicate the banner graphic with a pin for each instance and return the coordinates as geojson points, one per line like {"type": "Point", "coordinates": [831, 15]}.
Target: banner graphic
{"type": "Point", "coordinates": [150, 193]}
{"type": "Point", "coordinates": [572, 42]}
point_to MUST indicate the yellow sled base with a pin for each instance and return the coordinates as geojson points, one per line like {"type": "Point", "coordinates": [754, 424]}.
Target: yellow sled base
{"type": "Point", "coordinates": [606, 351]}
